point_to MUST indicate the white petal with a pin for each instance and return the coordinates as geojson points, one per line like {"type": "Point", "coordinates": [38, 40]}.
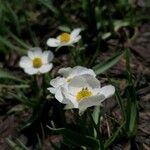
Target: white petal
{"type": "Point", "coordinates": [93, 82]}
{"type": "Point", "coordinates": [25, 62]}
{"type": "Point", "coordinates": [31, 71]}
{"type": "Point", "coordinates": [57, 82]}
{"type": "Point", "coordinates": [45, 68]}
{"type": "Point", "coordinates": [58, 95]}
{"type": "Point", "coordinates": [31, 54]}
{"type": "Point", "coordinates": [75, 32]}
{"type": "Point", "coordinates": [52, 90]}
{"type": "Point", "coordinates": [79, 70]}
{"type": "Point", "coordinates": [65, 72]}
{"type": "Point", "coordinates": [74, 40]}
{"type": "Point", "coordinates": [47, 56]}
{"type": "Point", "coordinates": [91, 101]}
{"type": "Point", "coordinates": [77, 39]}
{"type": "Point", "coordinates": [52, 42]}
{"type": "Point", "coordinates": [35, 52]}
{"type": "Point", "coordinates": [69, 98]}
{"type": "Point", "coordinates": [76, 84]}
{"type": "Point", "coordinates": [107, 91]}
{"type": "Point", "coordinates": [65, 44]}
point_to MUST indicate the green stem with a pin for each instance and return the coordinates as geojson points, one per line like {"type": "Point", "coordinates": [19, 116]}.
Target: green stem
{"type": "Point", "coordinates": [97, 130]}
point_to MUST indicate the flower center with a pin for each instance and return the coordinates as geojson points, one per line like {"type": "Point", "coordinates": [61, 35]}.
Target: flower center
{"type": "Point", "coordinates": [37, 62]}
{"type": "Point", "coordinates": [69, 80]}
{"type": "Point", "coordinates": [65, 37]}
{"type": "Point", "coordinates": [84, 93]}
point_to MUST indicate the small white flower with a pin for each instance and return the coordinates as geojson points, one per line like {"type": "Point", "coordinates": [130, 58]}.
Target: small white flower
{"type": "Point", "coordinates": [37, 61]}
{"type": "Point", "coordinates": [67, 75]}
{"type": "Point", "coordinates": [84, 91]}
{"type": "Point", "coordinates": [65, 39]}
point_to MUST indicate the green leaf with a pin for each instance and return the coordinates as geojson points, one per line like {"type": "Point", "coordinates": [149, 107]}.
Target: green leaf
{"type": "Point", "coordinates": [120, 102]}
{"type": "Point", "coordinates": [50, 6]}
{"type": "Point", "coordinates": [13, 16]}
{"type": "Point", "coordinates": [19, 41]}
{"type": "Point", "coordinates": [132, 112]}
{"type": "Point", "coordinates": [113, 137]}
{"type": "Point", "coordinates": [8, 75]}
{"type": "Point", "coordinates": [106, 35]}
{"type": "Point", "coordinates": [18, 145]}
{"type": "Point", "coordinates": [101, 68]}
{"type": "Point", "coordinates": [77, 138]}
{"type": "Point", "coordinates": [64, 28]}
{"type": "Point", "coordinates": [23, 100]}
{"type": "Point", "coordinates": [17, 109]}
{"type": "Point", "coordinates": [133, 119]}
{"type": "Point", "coordinates": [13, 145]}
{"type": "Point", "coordinates": [8, 44]}
{"type": "Point", "coordinates": [13, 86]}
{"type": "Point", "coordinates": [96, 114]}
{"type": "Point", "coordinates": [132, 106]}
{"type": "Point", "coordinates": [119, 24]}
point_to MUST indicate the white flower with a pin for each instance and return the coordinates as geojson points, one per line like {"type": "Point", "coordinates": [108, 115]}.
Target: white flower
{"type": "Point", "coordinates": [79, 88]}
{"type": "Point", "coordinates": [67, 75]}
{"type": "Point", "coordinates": [84, 91]}
{"type": "Point", "coordinates": [37, 61]}
{"type": "Point", "coordinates": [65, 39]}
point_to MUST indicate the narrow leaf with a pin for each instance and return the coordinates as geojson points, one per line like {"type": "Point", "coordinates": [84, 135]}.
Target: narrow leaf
{"type": "Point", "coordinates": [113, 137]}
{"type": "Point", "coordinates": [23, 44]}
{"type": "Point", "coordinates": [14, 17]}
{"type": "Point", "coordinates": [120, 102]}
{"type": "Point", "coordinates": [8, 44]}
{"type": "Point", "coordinates": [49, 5]}
{"type": "Point", "coordinates": [23, 100]}
{"type": "Point", "coordinates": [21, 86]}
{"type": "Point", "coordinates": [78, 139]}
{"type": "Point", "coordinates": [7, 75]}
{"type": "Point", "coordinates": [101, 68]}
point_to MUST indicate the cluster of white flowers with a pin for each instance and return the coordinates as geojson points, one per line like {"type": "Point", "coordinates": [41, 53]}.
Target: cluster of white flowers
{"type": "Point", "coordinates": [77, 87]}
{"type": "Point", "coordinates": [39, 62]}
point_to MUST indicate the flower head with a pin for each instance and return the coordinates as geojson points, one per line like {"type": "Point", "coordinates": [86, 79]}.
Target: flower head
{"type": "Point", "coordinates": [36, 61]}
{"type": "Point", "coordinates": [79, 88]}
{"type": "Point", "coordinates": [65, 39]}
{"type": "Point", "coordinates": [67, 75]}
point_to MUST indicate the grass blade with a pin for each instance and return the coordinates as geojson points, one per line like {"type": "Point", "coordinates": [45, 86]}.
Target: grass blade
{"type": "Point", "coordinates": [113, 137]}
{"type": "Point", "coordinates": [8, 75]}
{"type": "Point", "coordinates": [101, 68]}
{"type": "Point", "coordinates": [8, 44]}
{"type": "Point", "coordinates": [78, 139]}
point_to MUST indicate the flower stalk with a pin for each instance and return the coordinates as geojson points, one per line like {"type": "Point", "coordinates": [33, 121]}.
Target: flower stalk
{"type": "Point", "coordinates": [132, 106]}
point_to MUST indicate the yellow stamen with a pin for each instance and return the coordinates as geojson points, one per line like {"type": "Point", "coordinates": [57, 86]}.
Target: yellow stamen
{"type": "Point", "coordinates": [37, 62]}
{"type": "Point", "coordinates": [65, 37]}
{"type": "Point", "coordinates": [69, 80]}
{"type": "Point", "coordinates": [84, 93]}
